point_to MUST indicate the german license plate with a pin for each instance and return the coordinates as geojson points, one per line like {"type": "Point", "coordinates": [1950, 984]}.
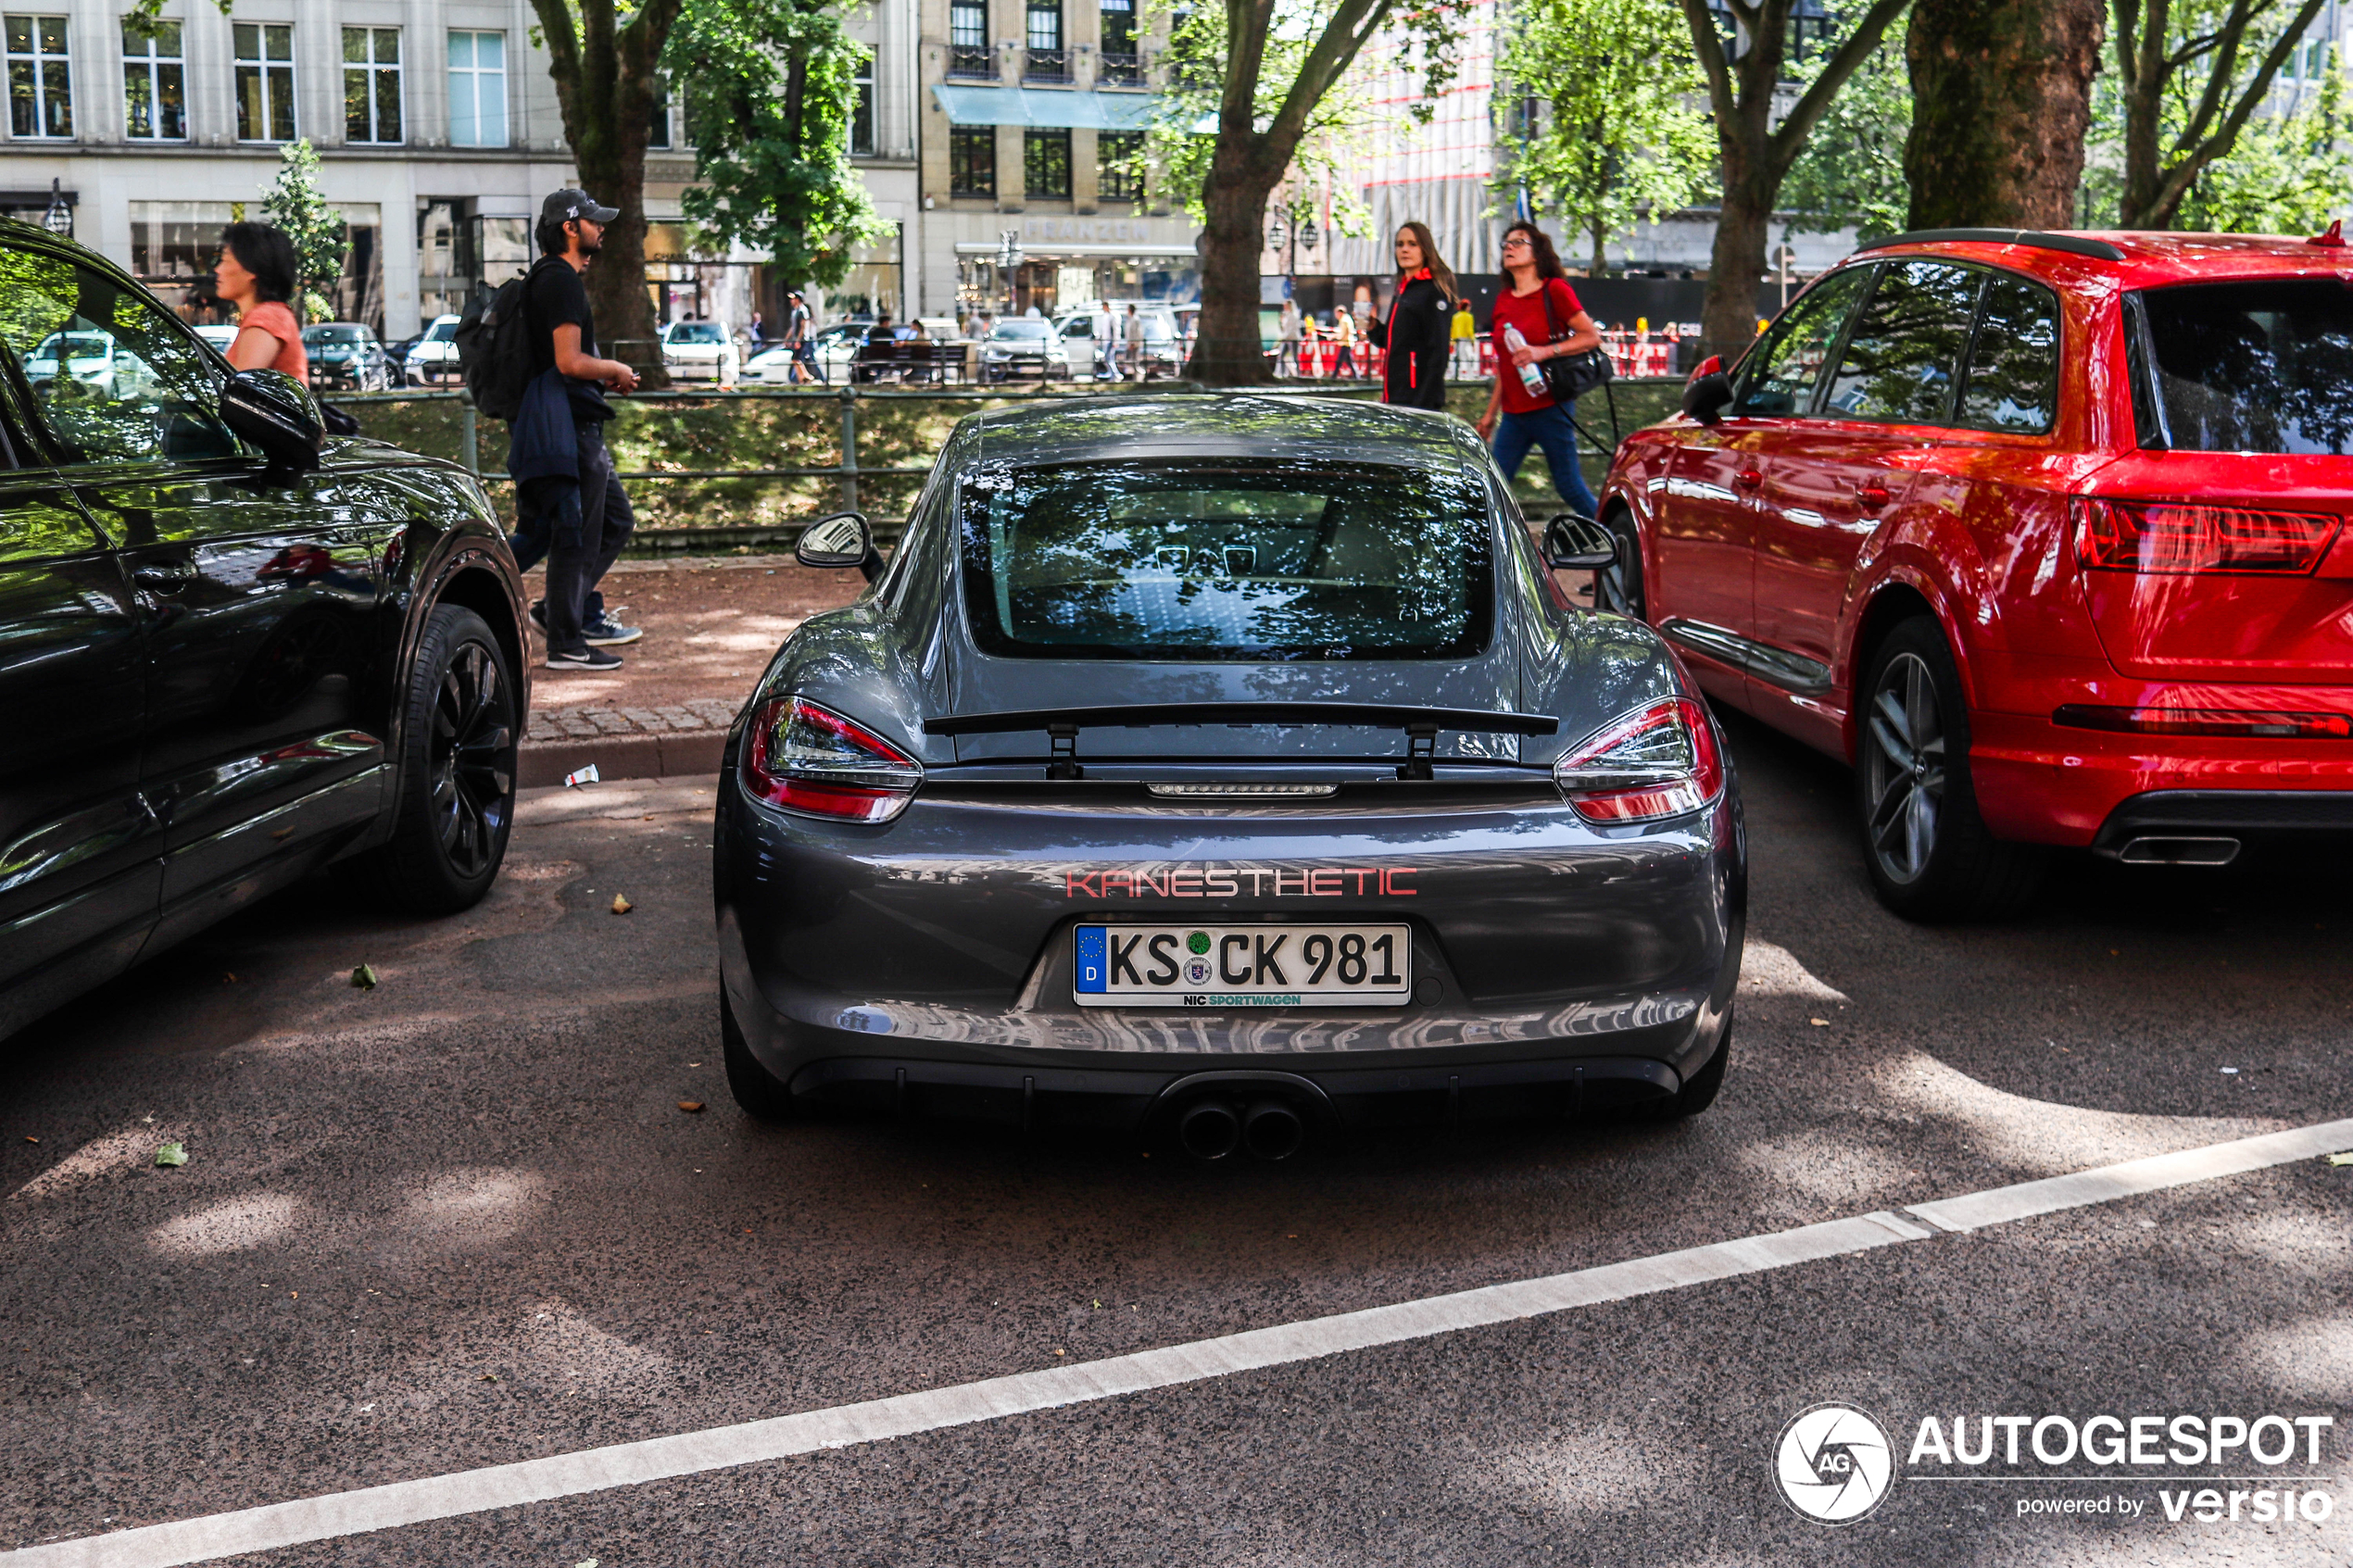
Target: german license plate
{"type": "Point", "coordinates": [1244, 966]}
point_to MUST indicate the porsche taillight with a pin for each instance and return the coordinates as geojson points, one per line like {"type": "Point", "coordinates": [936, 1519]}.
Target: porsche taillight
{"type": "Point", "coordinates": [1659, 761]}
{"type": "Point", "coordinates": [812, 760]}
{"type": "Point", "coordinates": [2171, 538]}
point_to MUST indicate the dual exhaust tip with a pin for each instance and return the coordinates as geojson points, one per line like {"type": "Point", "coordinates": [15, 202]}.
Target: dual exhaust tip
{"type": "Point", "coordinates": [1212, 1128]}
{"type": "Point", "coordinates": [2185, 850]}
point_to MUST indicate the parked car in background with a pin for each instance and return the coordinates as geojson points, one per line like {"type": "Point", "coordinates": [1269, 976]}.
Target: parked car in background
{"type": "Point", "coordinates": [221, 336]}
{"type": "Point", "coordinates": [346, 354]}
{"type": "Point", "coordinates": [1031, 346]}
{"type": "Point", "coordinates": [433, 358]}
{"type": "Point", "coordinates": [701, 351]}
{"type": "Point", "coordinates": [237, 650]}
{"type": "Point", "coordinates": [85, 357]}
{"type": "Point", "coordinates": [2045, 532]}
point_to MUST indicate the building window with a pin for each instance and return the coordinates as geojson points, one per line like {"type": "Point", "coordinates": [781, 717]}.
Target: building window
{"type": "Point", "coordinates": [971, 160]}
{"type": "Point", "coordinates": [40, 77]}
{"type": "Point", "coordinates": [1046, 165]}
{"type": "Point", "coordinates": [265, 81]}
{"type": "Point", "coordinates": [861, 109]}
{"type": "Point", "coordinates": [1119, 172]}
{"type": "Point", "coordinates": [154, 88]}
{"type": "Point", "coordinates": [371, 84]}
{"type": "Point", "coordinates": [477, 89]}
{"type": "Point", "coordinates": [1121, 64]}
{"type": "Point", "coordinates": [1048, 61]}
{"type": "Point", "coordinates": [658, 125]}
{"type": "Point", "coordinates": [968, 53]}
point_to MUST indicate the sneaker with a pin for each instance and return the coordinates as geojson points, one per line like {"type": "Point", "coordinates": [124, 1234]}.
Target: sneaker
{"type": "Point", "coordinates": [605, 630]}
{"type": "Point", "coordinates": [587, 658]}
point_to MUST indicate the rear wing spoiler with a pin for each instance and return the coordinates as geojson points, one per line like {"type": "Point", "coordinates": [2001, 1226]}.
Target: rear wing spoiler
{"type": "Point", "coordinates": [1421, 724]}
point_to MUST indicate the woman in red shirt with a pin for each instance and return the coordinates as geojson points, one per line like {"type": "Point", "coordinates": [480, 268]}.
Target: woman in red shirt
{"type": "Point", "coordinates": [1518, 417]}
{"type": "Point", "coordinates": [256, 274]}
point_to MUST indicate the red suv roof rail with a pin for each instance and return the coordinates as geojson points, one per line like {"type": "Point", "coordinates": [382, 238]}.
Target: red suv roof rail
{"type": "Point", "coordinates": [2074, 245]}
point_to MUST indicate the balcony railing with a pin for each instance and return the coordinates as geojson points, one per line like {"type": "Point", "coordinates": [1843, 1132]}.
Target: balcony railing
{"type": "Point", "coordinates": [972, 60]}
{"type": "Point", "coordinates": [1119, 69]}
{"type": "Point", "coordinates": [1046, 65]}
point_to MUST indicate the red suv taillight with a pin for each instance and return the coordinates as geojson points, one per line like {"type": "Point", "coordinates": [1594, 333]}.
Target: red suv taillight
{"type": "Point", "coordinates": [1659, 761]}
{"type": "Point", "coordinates": [2229, 724]}
{"type": "Point", "coordinates": [812, 760]}
{"type": "Point", "coordinates": [2171, 538]}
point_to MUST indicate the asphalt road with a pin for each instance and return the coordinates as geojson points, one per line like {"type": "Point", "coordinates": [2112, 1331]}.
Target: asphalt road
{"type": "Point", "coordinates": [460, 1219]}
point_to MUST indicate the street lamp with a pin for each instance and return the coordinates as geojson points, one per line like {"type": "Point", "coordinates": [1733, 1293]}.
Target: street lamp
{"type": "Point", "coordinates": [58, 220]}
{"type": "Point", "coordinates": [1276, 232]}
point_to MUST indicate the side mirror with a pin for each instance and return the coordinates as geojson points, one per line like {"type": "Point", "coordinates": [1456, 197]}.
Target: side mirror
{"type": "Point", "coordinates": [1708, 394]}
{"type": "Point", "coordinates": [838, 541]}
{"type": "Point", "coordinates": [275, 412]}
{"type": "Point", "coordinates": [1579, 544]}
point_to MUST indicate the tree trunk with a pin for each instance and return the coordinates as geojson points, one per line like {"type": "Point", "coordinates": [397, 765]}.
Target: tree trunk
{"type": "Point", "coordinates": [2001, 100]}
{"type": "Point", "coordinates": [616, 280]}
{"type": "Point", "coordinates": [1736, 265]}
{"type": "Point", "coordinates": [1228, 352]}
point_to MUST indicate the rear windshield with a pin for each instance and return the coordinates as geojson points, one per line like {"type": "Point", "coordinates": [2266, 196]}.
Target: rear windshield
{"type": "Point", "coordinates": [1019, 328]}
{"type": "Point", "coordinates": [1192, 562]}
{"type": "Point", "coordinates": [695, 332]}
{"type": "Point", "coordinates": [2258, 366]}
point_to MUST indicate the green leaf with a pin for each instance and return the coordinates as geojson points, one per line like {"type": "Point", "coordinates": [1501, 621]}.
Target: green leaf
{"type": "Point", "coordinates": [364, 978]}
{"type": "Point", "coordinates": [172, 1154]}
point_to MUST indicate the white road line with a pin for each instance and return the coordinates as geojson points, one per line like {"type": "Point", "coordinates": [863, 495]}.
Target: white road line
{"type": "Point", "coordinates": [723, 1448]}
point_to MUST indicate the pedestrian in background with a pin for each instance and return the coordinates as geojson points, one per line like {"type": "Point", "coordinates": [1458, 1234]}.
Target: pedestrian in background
{"type": "Point", "coordinates": [256, 274]}
{"type": "Point", "coordinates": [759, 337]}
{"type": "Point", "coordinates": [1286, 341]}
{"type": "Point", "coordinates": [1466, 340]}
{"type": "Point", "coordinates": [1106, 330]}
{"type": "Point", "coordinates": [1415, 337]}
{"type": "Point", "coordinates": [1135, 335]}
{"type": "Point", "coordinates": [1344, 334]}
{"type": "Point", "coordinates": [1538, 306]}
{"type": "Point", "coordinates": [800, 338]}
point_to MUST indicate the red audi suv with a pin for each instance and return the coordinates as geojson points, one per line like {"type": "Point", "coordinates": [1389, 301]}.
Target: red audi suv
{"type": "Point", "coordinates": [2044, 533]}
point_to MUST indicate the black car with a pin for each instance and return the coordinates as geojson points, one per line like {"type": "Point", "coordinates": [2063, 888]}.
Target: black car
{"type": "Point", "coordinates": [232, 650]}
{"type": "Point", "coordinates": [347, 355]}
{"type": "Point", "coordinates": [1232, 765]}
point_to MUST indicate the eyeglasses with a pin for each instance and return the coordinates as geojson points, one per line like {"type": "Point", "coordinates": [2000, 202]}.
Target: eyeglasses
{"type": "Point", "coordinates": [1515, 240]}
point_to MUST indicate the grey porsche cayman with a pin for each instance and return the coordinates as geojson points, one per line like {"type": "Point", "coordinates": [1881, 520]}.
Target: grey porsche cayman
{"type": "Point", "coordinates": [1223, 767]}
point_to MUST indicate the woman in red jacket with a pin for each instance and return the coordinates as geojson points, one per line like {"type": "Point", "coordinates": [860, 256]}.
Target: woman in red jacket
{"type": "Point", "coordinates": [1538, 304]}
{"type": "Point", "coordinates": [1416, 336]}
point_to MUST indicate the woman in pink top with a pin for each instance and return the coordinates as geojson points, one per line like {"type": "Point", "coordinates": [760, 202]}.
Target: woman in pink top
{"type": "Point", "coordinates": [256, 274]}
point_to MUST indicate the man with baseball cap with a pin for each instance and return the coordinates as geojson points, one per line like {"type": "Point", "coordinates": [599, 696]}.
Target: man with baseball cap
{"type": "Point", "coordinates": [588, 522]}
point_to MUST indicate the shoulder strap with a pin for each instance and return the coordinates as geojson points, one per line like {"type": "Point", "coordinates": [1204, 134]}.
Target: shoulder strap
{"type": "Point", "coordinates": [1552, 322]}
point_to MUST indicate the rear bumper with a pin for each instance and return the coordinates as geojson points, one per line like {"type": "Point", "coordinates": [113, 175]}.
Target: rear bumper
{"type": "Point", "coordinates": [2209, 825]}
{"type": "Point", "coordinates": [1126, 1100]}
{"type": "Point", "coordinates": [1550, 959]}
{"type": "Point", "coordinates": [2040, 783]}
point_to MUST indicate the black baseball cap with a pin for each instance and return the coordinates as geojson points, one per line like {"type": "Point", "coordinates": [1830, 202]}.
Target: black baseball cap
{"type": "Point", "coordinates": [563, 206]}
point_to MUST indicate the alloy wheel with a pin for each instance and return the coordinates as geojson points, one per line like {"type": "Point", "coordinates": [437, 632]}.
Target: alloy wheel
{"type": "Point", "coordinates": [1905, 767]}
{"type": "Point", "coordinates": [470, 760]}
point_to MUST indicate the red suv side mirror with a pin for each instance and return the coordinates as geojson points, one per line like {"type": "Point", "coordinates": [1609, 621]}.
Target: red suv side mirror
{"type": "Point", "coordinates": [1708, 393]}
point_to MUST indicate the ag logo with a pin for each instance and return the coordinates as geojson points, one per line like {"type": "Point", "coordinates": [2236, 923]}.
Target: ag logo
{"type": "Point", "coordinates": [1835, 1464]}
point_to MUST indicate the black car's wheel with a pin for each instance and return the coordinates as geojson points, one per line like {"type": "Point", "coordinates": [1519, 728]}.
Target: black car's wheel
{"type": "Point", "coordinates": [457, 769]}
{"type": "Point", "coordinates": [1699, 1090]}
{"type": "Point", "coordinates": [1930, 855]}
{"type": "Point", "coordinates": [1618, 587]}
{"type": "Point", "coordinates": [758, 1091]}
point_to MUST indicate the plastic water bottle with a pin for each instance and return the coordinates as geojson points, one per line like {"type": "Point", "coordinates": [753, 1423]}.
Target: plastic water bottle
{"type": "Point", "coordinates": [1530, 375]}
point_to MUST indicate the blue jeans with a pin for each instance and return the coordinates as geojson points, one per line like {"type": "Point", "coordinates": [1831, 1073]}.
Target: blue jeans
{"type": "Point", "coordinates": [1549, 428]}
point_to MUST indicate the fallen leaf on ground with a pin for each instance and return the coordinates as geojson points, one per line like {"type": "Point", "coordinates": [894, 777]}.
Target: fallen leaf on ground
{"type": "Point", "coordinates": [1819, 1022]}
{"type": "Point", "coordinates": [364, 978]}
{"type": "Point", "coordinates": [690, 1105]}
{"type": "Point", "coordinates": [29, 1138]}
{"type": "Point", "coordinates": [2333, 1158]}
{"type": "Point", "coordinates": [172, 1154]}
{"type": "Point", "coordinates": [488, 1378]}
{"type": "Point", "coordinates": [622, 906]}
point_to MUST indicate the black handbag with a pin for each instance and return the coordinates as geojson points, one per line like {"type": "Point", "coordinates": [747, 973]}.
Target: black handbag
{"type": "Point", "coordinates": [1569, 376]}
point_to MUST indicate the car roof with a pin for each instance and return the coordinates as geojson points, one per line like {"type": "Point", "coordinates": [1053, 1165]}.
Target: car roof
{"type": "Point", "coordinates": [2134, 259]}
{"type": "Point", "coordinates": [1248, 424]}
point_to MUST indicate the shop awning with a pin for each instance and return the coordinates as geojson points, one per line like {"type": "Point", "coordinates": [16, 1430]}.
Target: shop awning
{"type": "Point", "coordinates": [1048, 108]}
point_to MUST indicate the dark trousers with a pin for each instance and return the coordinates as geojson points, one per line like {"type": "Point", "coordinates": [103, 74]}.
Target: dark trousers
{"type": "Point", "coordinates": [581, 529]}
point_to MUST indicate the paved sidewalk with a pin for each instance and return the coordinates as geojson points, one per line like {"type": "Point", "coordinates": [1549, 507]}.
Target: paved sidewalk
{"type": "Point", "coordinates": [710, 626]}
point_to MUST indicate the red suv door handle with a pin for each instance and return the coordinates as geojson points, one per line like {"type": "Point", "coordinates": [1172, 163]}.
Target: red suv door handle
{"type": "Point", "coordinates": [1749, 479]}
{"type": "Point", "coordinates": [1873, 494]}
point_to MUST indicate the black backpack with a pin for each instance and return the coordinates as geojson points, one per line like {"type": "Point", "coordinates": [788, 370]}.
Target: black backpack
{"type": "Point", "coordinates": [494, 347]}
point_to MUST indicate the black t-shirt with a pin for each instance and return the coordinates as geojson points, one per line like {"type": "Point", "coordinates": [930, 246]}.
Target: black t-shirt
{"type": "Point", "coordinates": [554, 297]}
